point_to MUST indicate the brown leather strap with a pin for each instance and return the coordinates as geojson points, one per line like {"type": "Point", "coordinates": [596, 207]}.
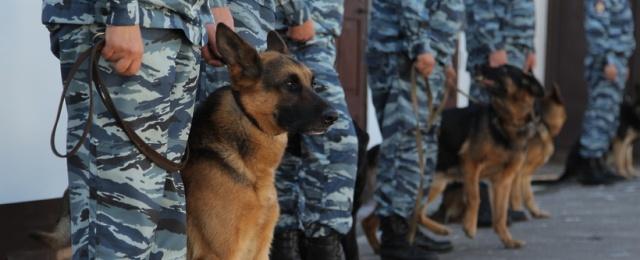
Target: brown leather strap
{"type": "Point", "coordinates": [94, 75]}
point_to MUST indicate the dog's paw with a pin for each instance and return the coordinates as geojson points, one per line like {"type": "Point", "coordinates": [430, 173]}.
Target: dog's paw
{"type": "Point", "coordinates": [443, 231]}
{"type": "Point", "coordinates": [470, 230]}
{"type": "Point", "coordinates": [514, 244]}
{"type": "Point", "coordinates": [540, 214]}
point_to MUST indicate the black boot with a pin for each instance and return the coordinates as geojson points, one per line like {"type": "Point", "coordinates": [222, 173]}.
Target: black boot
{"type": "Point", "coordinates": [591, 171]}
{"type": "Point", "coordinates": [394, 244]}
{"type": "Point", "coordinates": [323, 248]}
{"type": "Point", "coordinates": [517, 215]}
{"type": "Point", "coordinates": [429, 244]}
{"type": "Point", "coordinates": [588, 171]}
{"type": "Point", "coordinates": [286, 245]}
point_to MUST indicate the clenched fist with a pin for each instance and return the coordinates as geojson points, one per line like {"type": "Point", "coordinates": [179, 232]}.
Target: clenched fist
{"type": "Point", "coordinates": [303, 32]}
{"type": "Point", "coordinates": [425, 63]}
{"type": "Point", "coordinates": [498, 58]}
{"type": "Point", "coordinates": [123, 48]}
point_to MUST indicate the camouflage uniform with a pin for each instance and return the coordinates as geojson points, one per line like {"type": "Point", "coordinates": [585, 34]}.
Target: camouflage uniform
{"type": "Point", "coordinates": [315, 187]}
{"type": "Point", "coordinates": [609, 29]}
{"type": "Point", "coordinates": [253, 19]}
{"type": "Point", "coordinates": [122, 204]}
{"type": "Point", "coordinates": [498, 25]}
{"type": "Point", "coordinates": [398, 34]}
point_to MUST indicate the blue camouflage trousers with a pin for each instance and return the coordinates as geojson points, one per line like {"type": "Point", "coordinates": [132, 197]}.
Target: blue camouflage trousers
{"type": "Point", "coordinates": [252, 20]}
{"type": "Point", "coordinates": [398, 171]}
{"type": "Point", "coordinates": [601, 118]}
{"type": "Point", "coordinates": [122, 205]}
{"type": "Point", "coordinates": [517, 57]}
{"type": "Point", "coordinates": [315, 190]}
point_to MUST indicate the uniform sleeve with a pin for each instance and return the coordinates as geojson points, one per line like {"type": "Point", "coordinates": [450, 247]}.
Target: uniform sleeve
{"type": "Point", "coordinates": [622, 29]}
{"type": "Point", "coordinates": [296, 11]}
{"type": "Point", "coordinates": [597, 22]}
{"type": "Point", "coordinates": [413, 23]}
{"type": "Point", "coordinates": [523, 22]}
{"type": "Point", "coordinates": [217, 3]}
{"type": "Point", "coordinates": [445, 27]}
{"type": "Point", "coordinates": [123, 12]}
{"type": "Point", "coordinates": [486, 17]}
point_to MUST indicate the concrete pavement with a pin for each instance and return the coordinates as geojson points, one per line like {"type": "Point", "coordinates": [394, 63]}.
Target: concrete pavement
{"type": "Point", "coordinates": [587, 223]}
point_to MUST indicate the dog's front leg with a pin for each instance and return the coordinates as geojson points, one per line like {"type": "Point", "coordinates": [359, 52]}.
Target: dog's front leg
{"type": "Point", "coordinates": [438, 185]}
{"type": "Point", "coordinates": [515, 198]}
{"type": "Point", "coordinates": [530, 200]}
{"type": "Point", "coordinates": [472, 190]}
{"type": "Point", "coordinates": [501, 185]}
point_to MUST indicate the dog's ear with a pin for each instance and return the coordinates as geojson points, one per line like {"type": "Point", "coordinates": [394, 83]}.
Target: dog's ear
{"type": "Point", "coordinates": [243, 60]}
{"type": "Point", "coordinates": [555, 94]}
{"type": "Point", "coordinates": [531, 84]}
{"type": "Point", "coordinates": [276, 43]}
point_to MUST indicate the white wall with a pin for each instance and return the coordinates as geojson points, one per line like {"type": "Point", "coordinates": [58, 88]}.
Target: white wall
{"type": "Point", "coordinates": [540, 42]}
{"type": "Point", "coordinates": [30, 87]}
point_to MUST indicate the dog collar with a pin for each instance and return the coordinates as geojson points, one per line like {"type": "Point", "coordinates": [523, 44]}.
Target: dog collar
{"type": "Point", "coordinates": [236, 97]}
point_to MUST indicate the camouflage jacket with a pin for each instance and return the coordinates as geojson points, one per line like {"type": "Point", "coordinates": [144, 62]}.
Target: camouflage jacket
{"type": "Point", "coordinates": [187, 15]}
{"type": "Point", "coordinates": [326, 14]}
{"type": "Point", "coordinates": [399, 26]}
{"type": "Point", "coordinates": [609, 30]}
{"type": "Point", "coordinates": [445, 23]}
{"type": "Point", "coordinates": [494, 24]}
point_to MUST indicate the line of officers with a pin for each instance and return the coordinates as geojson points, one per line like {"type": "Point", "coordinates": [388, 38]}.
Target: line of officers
{"type": "Point", "coordinates": [315, 183]}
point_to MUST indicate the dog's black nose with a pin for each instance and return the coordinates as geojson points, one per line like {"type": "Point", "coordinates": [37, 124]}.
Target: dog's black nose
{"type": "Point", "coordinates": [329, 117]}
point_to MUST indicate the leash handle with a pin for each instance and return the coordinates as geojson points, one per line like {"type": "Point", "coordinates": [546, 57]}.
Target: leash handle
{"type": "Point", "coordinates": [93, 54]}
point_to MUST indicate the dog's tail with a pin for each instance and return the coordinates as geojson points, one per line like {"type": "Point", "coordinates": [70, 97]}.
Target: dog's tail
{"type": "Point", "coordinates": [60, 236]}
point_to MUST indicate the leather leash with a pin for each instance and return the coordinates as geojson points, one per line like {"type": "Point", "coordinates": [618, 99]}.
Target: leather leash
{"type": "Point", "coordinates": [93, 56]}
{"type": "Point", "coordinates": [433, 114]}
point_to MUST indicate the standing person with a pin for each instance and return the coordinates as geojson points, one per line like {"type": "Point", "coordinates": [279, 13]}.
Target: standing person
{"type": "Point", "coordinates": [316, 178]}
{"type": "Point", "coordinates": [610, 43]}
{"type": "Point", "coordinates": [122, 204]}
{"type": "Point", "coordinates": [499, 32]}
{"type": "Point", "coordinates": [251, 20]}
{"type": "Point", "coordinates": [403, 36]}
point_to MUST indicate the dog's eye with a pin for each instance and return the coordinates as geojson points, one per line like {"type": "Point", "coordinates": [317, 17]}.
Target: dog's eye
{"type": "Point", "coordinates": [292, 86]}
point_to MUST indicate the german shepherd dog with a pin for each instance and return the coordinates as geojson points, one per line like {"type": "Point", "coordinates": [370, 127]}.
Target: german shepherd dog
{"type": "Point", "coordinates": [487, 142]}
{"type": "Point", "coordinates": [553, 115]}
{"type": "Point", "coordinates": [621, 152]}
{"type": "Point", "coordinates": [482, 141]}
{"type": "Point", "coordinates": [237, 139]}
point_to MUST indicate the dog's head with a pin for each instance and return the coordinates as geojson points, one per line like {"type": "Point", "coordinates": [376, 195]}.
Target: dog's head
{"type": "Point", "coordinates": [554, 113]}
{"type": "Point", "coordinates": [513, 92]}
{"type": "Point", "coordinates": [631, 104]}
{"type": "Point", "coordinates": [274, 88]}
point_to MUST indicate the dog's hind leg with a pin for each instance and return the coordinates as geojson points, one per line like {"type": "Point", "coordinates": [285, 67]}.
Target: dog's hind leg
{"type": "Point", "coordinates": [620, 157]}
{"type": "Point", "coordinates": [501, 185]}
{"type": "Point", "coordinates": [631, 171]}
{"type": "Point", "coordinates": [370, 225]}
{"type": "Point", "coordinates": [530, 200]}
{"type": "Point", "coordinates": [438, 185]}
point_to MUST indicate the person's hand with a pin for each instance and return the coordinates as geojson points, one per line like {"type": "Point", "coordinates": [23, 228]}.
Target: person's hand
{"type": "Point", "coordinates": [210, 52]}
{"type": "Point", "coordinates": [303, 32]}
{"type": "Point", "coordinates": [530, 63]}
{"type": "Point", "coordinates": [425, 63]}
{"type": "Point", "coordinates": [450, 78]}
{"type": "Point", "coordinates": [123, 48]}
{"type": "Point", "coordinates": [498, 58]}
{"type": "Point", "coordinates": [610, 72]}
